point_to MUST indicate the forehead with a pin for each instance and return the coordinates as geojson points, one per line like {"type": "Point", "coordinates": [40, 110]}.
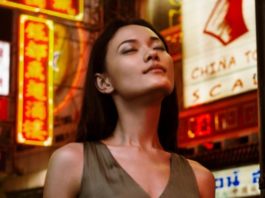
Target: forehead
{"type": "Point", "coordinates": [132, 32]}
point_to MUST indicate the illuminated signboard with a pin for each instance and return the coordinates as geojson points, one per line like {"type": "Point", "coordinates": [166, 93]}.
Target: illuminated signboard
{"type": "Point", "coordinates": [219, 49]}
{"type": "Point", "coordinates": [4, 67]}
{"type": "Point", "coordinates": [35, 81]}
{"type": "Point", "coordinates": [237, 182]}
{"type": "Point", "coordinates": [68, 9]}
{"type": "Point", "coordinates": [216, 123]}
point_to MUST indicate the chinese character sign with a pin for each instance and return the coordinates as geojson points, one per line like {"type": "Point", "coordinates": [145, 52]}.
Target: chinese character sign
{"type": "Point", "coordinates": [35, 84]}
{"type": "Point", "coordinates": [69, 9]}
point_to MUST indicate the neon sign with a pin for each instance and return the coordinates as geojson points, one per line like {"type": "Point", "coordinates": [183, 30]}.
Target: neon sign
{"type": "Point", "coordinates": [200, 125]}
{"type": "Point", "coordinates": [35, 81]}
{"type": "Point", "coordinates": [226, 120]}
{"type": "Point", "coordinates": [68, 9]}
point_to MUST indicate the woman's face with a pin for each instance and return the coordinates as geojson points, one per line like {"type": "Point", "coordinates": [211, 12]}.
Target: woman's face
{"type": "Point", "coordinates": [137, 63]}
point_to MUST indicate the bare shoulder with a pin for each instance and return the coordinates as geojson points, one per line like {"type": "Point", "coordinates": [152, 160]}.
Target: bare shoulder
{"type": "Point", "coordinates": [70, 156]}
{"type": "Point", "coordinates": [204, 178]}
{"type": "Point", "coordinates": [68, 153]}
{"type": "Point", "coordinates": [64, 172]}
{"type": "Point", "coordinates": [200, 170]}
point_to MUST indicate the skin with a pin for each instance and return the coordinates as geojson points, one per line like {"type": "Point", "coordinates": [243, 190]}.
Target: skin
{"type": "Point", "coordinates": [137, 92]}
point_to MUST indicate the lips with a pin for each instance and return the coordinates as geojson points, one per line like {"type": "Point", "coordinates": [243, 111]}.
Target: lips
{"type": "Point", "coordinates": [154, 68]}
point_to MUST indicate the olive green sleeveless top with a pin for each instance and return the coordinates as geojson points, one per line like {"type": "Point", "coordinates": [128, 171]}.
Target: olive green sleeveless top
{"type": "Point", "coordinates": [103, 177]}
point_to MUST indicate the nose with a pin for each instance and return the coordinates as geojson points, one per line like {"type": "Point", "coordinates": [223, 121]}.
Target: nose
{"type": "Point", "coordinates": [151, 55]}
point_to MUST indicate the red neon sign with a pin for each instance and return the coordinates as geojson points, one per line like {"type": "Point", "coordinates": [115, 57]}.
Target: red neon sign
{"type": "Point", "coordinates": [213, 124]}
{"type": "Point", "coordinates": [69, 9]}
{"type": "Point", "coordinates": [200, 125]}
{"type": "Point", "coordinates": [35, 100]}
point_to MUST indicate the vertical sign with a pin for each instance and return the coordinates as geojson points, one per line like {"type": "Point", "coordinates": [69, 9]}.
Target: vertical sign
{"type": "Point", "coordinates": [4, 68]}
{"type": "Point", "coordinates": [35, 82]}
{"type": "Point", "coordinates": [219, 48]}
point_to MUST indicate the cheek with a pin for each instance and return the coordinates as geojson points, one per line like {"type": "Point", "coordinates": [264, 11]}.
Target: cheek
{"type": "Point", "coordinates": [122, 74]}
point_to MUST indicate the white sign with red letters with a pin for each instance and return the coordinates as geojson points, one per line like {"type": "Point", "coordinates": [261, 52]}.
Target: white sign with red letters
{"type": "Point", "coordinates": [219, 49]}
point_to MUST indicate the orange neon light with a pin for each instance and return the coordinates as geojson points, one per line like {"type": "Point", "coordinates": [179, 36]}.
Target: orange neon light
{"type": "Point", "coordinates": [68, 9]}
{"type": "Point", "coordinates": [35, 88]}
{"type": "Point", "coordinates": [77, 78]}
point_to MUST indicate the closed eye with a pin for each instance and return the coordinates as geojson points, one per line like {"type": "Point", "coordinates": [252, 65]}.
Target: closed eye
{"type": "Point", "coordinates": [160, 48]}
{"type": "Point", "coordinates": [128, 51]}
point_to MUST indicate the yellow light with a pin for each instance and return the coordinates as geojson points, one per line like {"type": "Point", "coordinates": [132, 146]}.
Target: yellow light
{"type": "Point", "coordinates": [77, 76]}
{"type": "Point", "coordinates": [191, 134]}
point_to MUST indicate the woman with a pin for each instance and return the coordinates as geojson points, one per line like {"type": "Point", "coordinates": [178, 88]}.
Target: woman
{"type": "Point", "coordinates": [126, 135]}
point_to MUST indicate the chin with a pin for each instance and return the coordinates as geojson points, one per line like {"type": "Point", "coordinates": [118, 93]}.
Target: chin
{"type": "Point", "coordinates": [166, 87]}
{"type": "Point", "coordinates": [162, 91]}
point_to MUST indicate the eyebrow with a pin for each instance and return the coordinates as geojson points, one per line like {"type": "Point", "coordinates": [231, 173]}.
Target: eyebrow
{"type": "Point", "coordinates": [152, 38]}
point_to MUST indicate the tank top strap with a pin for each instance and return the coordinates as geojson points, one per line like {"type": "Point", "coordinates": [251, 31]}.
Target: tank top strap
{"type": "Point", "coordinates": [183, 183]}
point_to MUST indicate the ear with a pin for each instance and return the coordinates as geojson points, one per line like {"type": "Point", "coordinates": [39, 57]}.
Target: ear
{"type": "Point", "coordinates": [103, 83]}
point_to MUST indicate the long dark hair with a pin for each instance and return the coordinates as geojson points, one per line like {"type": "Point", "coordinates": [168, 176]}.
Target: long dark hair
{"type": "Point", "coordinates": [99, 116]}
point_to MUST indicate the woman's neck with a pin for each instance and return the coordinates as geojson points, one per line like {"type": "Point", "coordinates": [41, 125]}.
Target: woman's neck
{"type": "Point", "coordinates": [137, 125]}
